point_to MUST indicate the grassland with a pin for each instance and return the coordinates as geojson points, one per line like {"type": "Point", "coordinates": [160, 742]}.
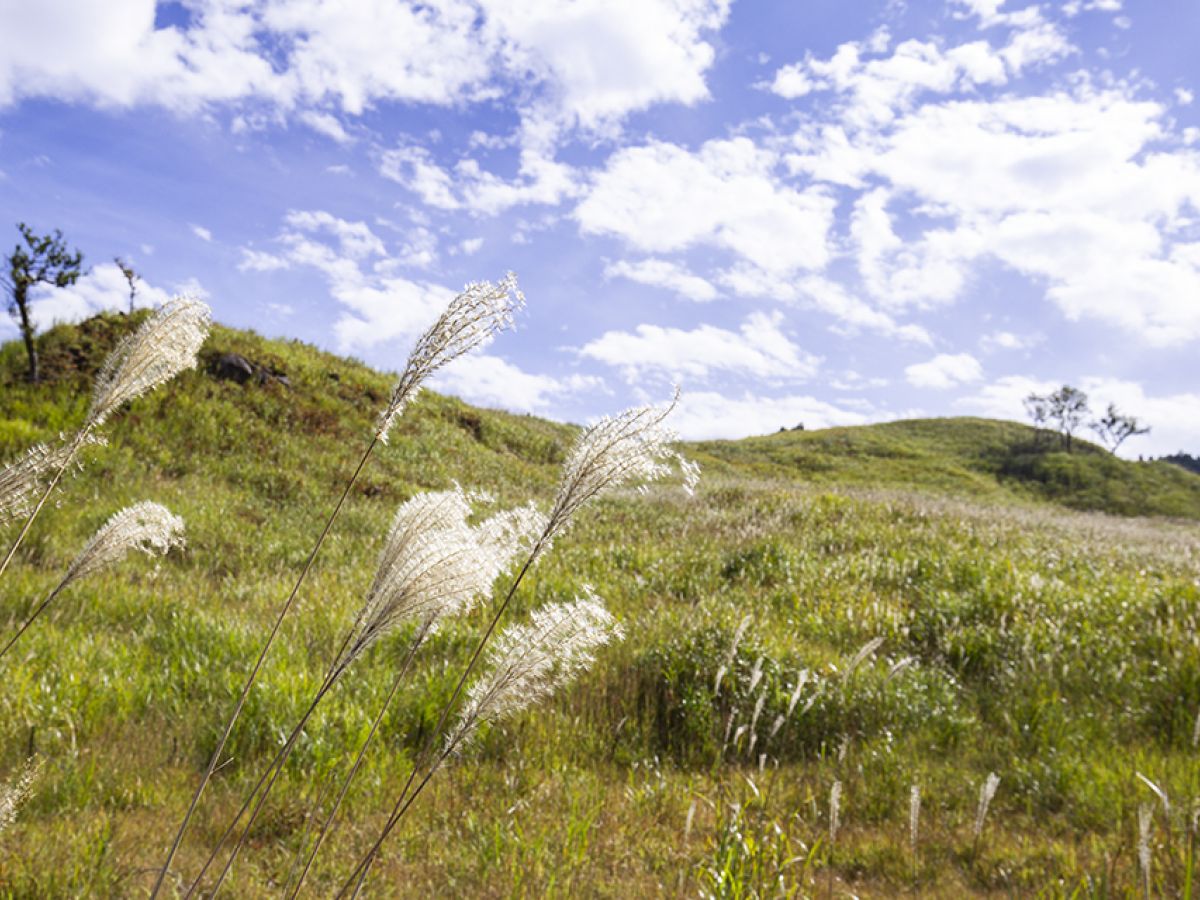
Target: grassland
{"type": "Point", "coordinates": [1056, 647]}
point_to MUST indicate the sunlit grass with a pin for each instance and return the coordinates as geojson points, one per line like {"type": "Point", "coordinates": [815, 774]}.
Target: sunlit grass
{"type": "Point", "coordinates": [1058, 649]}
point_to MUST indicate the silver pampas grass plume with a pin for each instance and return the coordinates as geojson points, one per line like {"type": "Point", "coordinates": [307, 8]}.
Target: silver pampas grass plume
{"type": "Point", "coordinates": [528, 662]}
{"type": "Point", "coordinates": [835, 811]}
{"type": "Point", "coordinates": [474, 316]}
{"type": "Point", "coordinates": [914, 816]}
{"type": "Point", "coordinates": [14, 794]}
{"type": "Point", "coordinates": [165, 345]}
{"type": "Point", "coordinates": [149, 527]}
{"type": "Point", "coordinates": [1145, 856]}
{"type": "Point", "coordinates": [633, 447]}
{"type": "Point", "coordinates": [435, 564]}
{"type": "Point", "coordinates": [986, 792]}
{"type": "Point", "coordinates": [22, 480]}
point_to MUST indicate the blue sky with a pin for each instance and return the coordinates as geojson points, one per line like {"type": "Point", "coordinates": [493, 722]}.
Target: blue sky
{"type": "Point", "coordinates": [818, 212]}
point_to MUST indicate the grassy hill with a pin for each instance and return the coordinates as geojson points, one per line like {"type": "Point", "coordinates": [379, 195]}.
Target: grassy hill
{"type": "Point", "coordinates": [969, 457]}
{"type": "Point", "coordinates": [1054, 647]}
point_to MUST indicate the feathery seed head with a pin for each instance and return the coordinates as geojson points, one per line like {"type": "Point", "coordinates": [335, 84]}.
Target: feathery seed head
{"type": "Point", "coordinates": [22, 479]}
{"type": "Point", "coordinates": [528, 662]}
{"type": "Point", "coordinates": [435, 564]}
{"type": "Point", "coordinates": [14, 794]}
{"type": "Point", "coordinates": [914, 815]}
{"type": "Point", "coordinates": [481, 310]}
{"type": "Point", "coordinates": [835, 810]}
{"type": "Point", "coordinates": [986, 792]}
{"type": "Point", "coordinates": [632, 447]}
{"type": "Point", "coordinates": [145, 526]}
{"type": "Point", "coordinates": [165, 345]}
{"type": "Point", "coordinates": [1145, 820]}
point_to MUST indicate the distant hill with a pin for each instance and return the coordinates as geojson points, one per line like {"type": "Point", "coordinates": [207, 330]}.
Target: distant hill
{"type": "Point", "coordinates": [982, 458]}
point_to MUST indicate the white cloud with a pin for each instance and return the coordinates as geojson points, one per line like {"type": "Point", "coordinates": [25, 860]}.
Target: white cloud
{"type": "Point", "coordinates": [661, 197]}
{"type": "Point", "coordinates": [946, 370]}
{"type": "Point", "coordinates": [607, 58]}
{"type": "Point", "coordinates": [830, 297]}
{"type": "Point", "coordinates": [324, 123]}
{"type": "Point", "coordinates": [587, 63]}
{"type": "Point", "coordinates": [101, 288]}
{"type": "Point", "coordinates": [491, 381]}
{"type": "Point", "coordinates": [1007, 340]}
{"type": "Point", "coordinates": [759, 349]}
{"type": "Point", "coordinates": [201, 232]}
{"type": "Point", "coordinates": [539, 180]}
{"type": "Point", "coordinates": [706, 415]}
{"type": "Point", "coordinates": [665, 274]}
{"type": "Point", "coordinates": [362, 275]}
{"type": "Point", "coordinates": [1184, 97]}
{"type": "Point", "coordinates": [1087, 191]}
{"type": "Point", "coordinates": [470, 246]}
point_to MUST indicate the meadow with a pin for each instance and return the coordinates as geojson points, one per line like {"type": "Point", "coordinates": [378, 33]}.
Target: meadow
{"type": "Point", "coordinates": [914, 604]}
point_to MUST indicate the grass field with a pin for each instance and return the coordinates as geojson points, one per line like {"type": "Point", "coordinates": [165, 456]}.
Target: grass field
{"type": "Point", "coordinates": [1026, 629]}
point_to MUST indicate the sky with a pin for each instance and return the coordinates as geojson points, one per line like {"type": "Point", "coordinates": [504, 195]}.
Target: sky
{"type": "Point", "coordinates": [798, 211]}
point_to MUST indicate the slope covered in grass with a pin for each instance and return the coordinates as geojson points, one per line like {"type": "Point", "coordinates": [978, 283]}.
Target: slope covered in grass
{"type": "Point", "coordinates": [982, 458]}
{"type": "Point", "coordinates": [1053, 647]}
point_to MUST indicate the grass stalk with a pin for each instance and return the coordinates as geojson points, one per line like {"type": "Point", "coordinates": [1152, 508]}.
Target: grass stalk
{"type": "Point", "coordinates": [253, 675]}
{"type": "Point", "coordinates": [362, 751]}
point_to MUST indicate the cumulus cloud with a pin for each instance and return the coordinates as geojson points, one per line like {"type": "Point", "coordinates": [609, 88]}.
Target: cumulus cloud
{"type": "Point", "coordinates": [587, 63]}
{"type": "Point", "coordinates": [100, 289]}
{"type": "Point", "coordinates": [492, 381]}
{"type": "Point", "coordinates": [946, 370]}
{"type": "Point", "coordinates": [664, 274]}
{"type": "Point", "coordinates": [759, 349]}
{"type": "Point", "coordinates": [1086, 190]}
{"type": "Point", "coordinates": [705, 415]}
{"type": "Point", "coordinates": [661, 197]}
{"type": "Point", "coordinates": [362, 275]}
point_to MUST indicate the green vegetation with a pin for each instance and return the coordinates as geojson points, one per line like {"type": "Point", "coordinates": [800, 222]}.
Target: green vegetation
{"type": "Point", "coordinates": [967, 457]}
{"type": "Point", "coordinates": [1054, 647]}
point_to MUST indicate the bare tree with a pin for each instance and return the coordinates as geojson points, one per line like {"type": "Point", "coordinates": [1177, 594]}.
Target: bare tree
{"type": "Point", "coordinates": [1114, 427]}
{"type": "Point", "coordinates": [1068, 408]}
{"type": "Point", "coordinates": [1038, 409]}
{"type": "Point", "coordinates": [43, 259]}
{"type": "Point", "coordinates": [131, 276]}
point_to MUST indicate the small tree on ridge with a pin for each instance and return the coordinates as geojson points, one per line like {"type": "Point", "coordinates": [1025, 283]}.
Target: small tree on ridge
{"type": "Point", "coordinates": [44, 259]}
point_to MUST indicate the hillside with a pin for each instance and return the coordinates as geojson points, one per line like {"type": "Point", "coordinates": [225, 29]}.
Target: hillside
{"type": "Point", "coordinates": [696, 758]}
{"type": "Point", "coordinates": [968, 457]}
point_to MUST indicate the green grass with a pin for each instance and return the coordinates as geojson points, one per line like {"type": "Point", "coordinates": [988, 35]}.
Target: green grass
{"type": "Point", "coordinates": [979, 458]}
{"type": "Point", "coordinates": [1055, 647]}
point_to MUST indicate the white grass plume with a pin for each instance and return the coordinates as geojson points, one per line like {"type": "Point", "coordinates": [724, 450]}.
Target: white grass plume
{"type": "Point", "coordinates": [633, 447]}
{"type": "Point", "coordinates": [528, 662]}
{"type": "Point", "coordinates": [14, 794]}
{"type": "Point", "coordinates": [914, 816]}
{"type": "Point", "coordinates": [148, 527]}
{"type": "Point", "coordinates": [835, 811]}
{"type": "Point", "coordinates": [22, 480]}
{"type": "Point", "coordinates": [165, 345]}
{"type": "Point", "coordinates": [986, 792]}
{"type": "Point", "coordinates": [1145, 821]}
{"type": "Point", "coordinates": [435, 564]}
{"type": "Point", "coordinates": [474, 316]}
